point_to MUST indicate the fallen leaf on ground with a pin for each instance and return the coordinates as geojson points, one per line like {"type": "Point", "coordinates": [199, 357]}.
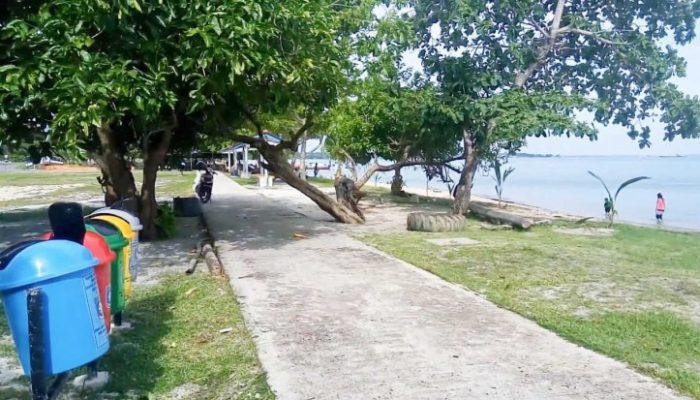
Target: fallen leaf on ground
{"type": "Point", "coordinates": [189, 292]}
{"type": "Point", "coordinates": [299, 235]}
{"type": "Point", "coordinates": [226, 330]}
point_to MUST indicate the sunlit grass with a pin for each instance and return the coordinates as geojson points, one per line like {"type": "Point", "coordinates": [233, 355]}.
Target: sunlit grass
{"type": "Point", "coordinates": [634, 296]}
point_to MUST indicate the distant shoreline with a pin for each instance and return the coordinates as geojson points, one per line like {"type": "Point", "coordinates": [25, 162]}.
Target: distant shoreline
{"type": "Point", "coordinates": [540, 212]}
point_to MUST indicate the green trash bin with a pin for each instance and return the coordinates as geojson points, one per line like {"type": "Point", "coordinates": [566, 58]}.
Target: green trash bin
{"type": "Point", "coordinates": [116, 242]}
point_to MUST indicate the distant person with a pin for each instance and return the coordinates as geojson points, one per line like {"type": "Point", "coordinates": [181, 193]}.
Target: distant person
{"type": "Point", "coordinates": [182, 167]}
{"type": "Point", "coordinates": [607, 205]}
{"type": "Point", "coordinates": [315, 170]}
{"type": "Point", "coordinates": [660, 208]}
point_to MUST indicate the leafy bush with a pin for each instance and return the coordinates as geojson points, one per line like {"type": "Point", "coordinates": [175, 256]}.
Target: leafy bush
{"type": "Point", "coordinates": [165, 221]}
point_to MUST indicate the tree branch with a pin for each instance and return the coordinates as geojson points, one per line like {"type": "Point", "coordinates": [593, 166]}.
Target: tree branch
{"type": "Point", "coordinates": [590, 34]}
{"type": "Point", "coordinates": [544, 50]}
{"type": "Point", "coordinates": [376, 167]}
{"type": "Point", "coordinates": [294, 141]}
{"type": "Point", "coordinates": [250, 117]}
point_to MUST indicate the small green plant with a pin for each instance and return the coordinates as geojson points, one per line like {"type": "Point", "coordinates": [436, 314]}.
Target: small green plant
{"type": "Point", "coordinates": [500, 178]}
{"type": "Point", "coordinates": [612, 200]}
{"type": "Point", "coordinates": [165, 222]}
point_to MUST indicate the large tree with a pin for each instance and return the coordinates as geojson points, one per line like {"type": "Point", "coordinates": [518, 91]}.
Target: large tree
{"type": "Point", "coordinates": [513, 68]}
{"type": "Point", "coordinates": [389, 125]}
{"type": "Point", "coordinates": [113, 76]}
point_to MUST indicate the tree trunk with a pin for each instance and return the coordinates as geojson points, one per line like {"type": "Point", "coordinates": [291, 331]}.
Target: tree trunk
{"type": "Point", "coordinates": [397, 182]}
{"type": "Point", "coordinates": [349, 196]}
{"type": "Point", "coordinates": [155, 147]}
{"type": "Point", "coordinates": [302, 158]}
{"type": "Point", "coordinates": [116, 170]}
{"type": "Point", "coordinates": [280, 167]}
{"type": "Point", "coordinates": [463, 192]}
{"type": "Point", "coordinates": [500, 217]}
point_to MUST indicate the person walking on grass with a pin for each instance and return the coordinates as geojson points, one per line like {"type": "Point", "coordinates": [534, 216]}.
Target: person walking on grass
{"type": "Point", "coordinates": [660, 208]}
{"type": "Point", "coordinates": [315, 170]}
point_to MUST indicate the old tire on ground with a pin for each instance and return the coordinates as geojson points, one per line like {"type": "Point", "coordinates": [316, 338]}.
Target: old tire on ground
{"type": "Point", "coordinates": [435, 222]}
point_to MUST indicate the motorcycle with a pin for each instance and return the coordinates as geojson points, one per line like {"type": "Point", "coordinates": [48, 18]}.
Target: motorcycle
{"type": "Point", "coordinates": [204, 185]}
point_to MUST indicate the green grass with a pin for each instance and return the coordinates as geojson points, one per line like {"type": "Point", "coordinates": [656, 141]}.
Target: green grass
{"type": "Point", "coordinates": [634, 296]}
{"type": "Point", "coordinates": [84, 186]}
{"type": "Point", "coordinates": [319, 181]}
{"type": "Point", "coordinates": [249, 181]}
{"type": "Point", "coordinates": [253, 181]}
{"type": "Point", "coordinates": [173, 184]}
{"type": "Point", "coordinates": [40, 177]}
{"type": "Point", "coordinates": [176, 340]}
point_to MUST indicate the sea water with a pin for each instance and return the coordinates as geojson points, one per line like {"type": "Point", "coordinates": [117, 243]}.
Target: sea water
{"type": "Point", "coordinates": [563, 184]}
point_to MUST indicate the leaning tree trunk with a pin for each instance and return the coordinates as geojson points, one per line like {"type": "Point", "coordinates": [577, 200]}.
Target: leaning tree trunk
{"type": "Point", "coordinates": [349, 195]}
{"type": "Point", "coordinates": [119, 181]}
{"type": "Point", "coordinates": [280, 167]}
{"type": "Point", "coordinates": [155, 147]}
{"type": "Point", "coordinates": [463, 192]}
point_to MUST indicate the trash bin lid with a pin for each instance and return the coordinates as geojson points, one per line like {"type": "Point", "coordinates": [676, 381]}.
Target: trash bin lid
{"type": "Point", "coordinates": [125, 215]}
{"type": "Point", "coordinates": [95, 243]}
{"type": "Point", "coordinates": [114, 238]}
{"type": "Point", "coordinates": [117, 222]}
{"type": "Point", "coordinates": [37, 261]}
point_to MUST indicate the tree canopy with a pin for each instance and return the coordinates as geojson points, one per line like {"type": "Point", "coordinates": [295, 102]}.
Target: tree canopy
{"type": "Point", "coordinates": [540, 63]}
{"type": "Point", "coordinates": [111, 75]}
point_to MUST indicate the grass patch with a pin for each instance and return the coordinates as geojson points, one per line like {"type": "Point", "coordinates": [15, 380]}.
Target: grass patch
{"type": "Point", "coordinates": [320, 181]}
{"type": "Point", "coordinates": [249, 181]}
{"type": "Point", "coordinates": [253, 181]}
{"type": "Point", "coordinates": [38, 187]}
{"type": "Point", "coordinates": [42, 177]}
{"type": "Point", "coordinates": [634, 296]}
{"type": "Point", "coordinates": [6, 347]}
{"type": "Point", "coordinates": [174, 184]}
{"type": "Point", "coordinates": [176, 341]}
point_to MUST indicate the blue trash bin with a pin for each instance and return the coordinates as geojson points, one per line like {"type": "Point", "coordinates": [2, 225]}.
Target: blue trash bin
{"type": "Point", "coordinates": [74, 330]}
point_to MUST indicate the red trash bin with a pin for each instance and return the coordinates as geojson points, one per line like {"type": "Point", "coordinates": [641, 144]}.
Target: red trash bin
{"type": "Point", "coordinates": [103, 271]}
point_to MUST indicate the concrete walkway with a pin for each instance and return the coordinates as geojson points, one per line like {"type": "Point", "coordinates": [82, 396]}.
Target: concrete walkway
{"type": "Point", "coordinates": [335, 319]}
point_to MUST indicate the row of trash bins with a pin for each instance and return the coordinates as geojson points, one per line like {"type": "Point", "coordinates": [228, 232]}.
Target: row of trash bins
{"type": "Point", "coordinates": [83, 269]}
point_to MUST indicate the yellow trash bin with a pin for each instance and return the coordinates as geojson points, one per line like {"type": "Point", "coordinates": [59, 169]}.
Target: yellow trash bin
{"type": "Point", "coordinates": [128, 233]}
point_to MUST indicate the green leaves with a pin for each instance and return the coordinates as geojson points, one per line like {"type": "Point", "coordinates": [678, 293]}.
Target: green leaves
{"type": "Point", "coordinates": [629, 182]}
{"type": "Point", "coordinates": [134, 63]}
{"type": "Point", "coordinates": [609, 53]}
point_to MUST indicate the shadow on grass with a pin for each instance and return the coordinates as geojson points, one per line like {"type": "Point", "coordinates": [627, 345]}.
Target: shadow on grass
{"type": "Point", "coordinates": [6, 347]}
{"type": "Point", "coordinates": [134, 358]}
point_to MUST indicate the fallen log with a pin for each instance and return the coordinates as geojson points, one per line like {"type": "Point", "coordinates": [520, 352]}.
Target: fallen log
{"type": "Point", "coordinates": [500, 217]}
{"type": "Point", "coordinates": [212, 260]}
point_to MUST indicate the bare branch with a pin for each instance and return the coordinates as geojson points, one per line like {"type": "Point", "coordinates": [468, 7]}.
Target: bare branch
{"type": "Point", "coordinates": [376, 167]}
{"type": "Point", "coordinates": [544, 50]}
{"type": "Point", "coordinates": [532, 23]}
{"type": "Point", "coordinates": [593, 35]}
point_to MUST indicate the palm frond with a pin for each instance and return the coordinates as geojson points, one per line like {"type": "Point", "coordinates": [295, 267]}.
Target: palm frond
{"type": "Point", "coordinates": [629, 182]}
{"type": "Point", "coordinates": [507, 172]}
{"type": "Point", "coordinates": [603, 183]}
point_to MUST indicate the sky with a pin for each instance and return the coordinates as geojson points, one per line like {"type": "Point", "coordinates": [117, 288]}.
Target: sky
{"type": "Point", "coordinates": [613, 140]}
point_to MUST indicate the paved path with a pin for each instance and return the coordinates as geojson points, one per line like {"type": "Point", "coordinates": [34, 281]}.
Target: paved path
{"type": "Point", "coordinates": [335, 319]}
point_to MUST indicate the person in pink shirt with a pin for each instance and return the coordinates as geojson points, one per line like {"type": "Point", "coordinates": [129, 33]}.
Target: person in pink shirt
{"type": "Point", "coordinates": [660, 208]}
